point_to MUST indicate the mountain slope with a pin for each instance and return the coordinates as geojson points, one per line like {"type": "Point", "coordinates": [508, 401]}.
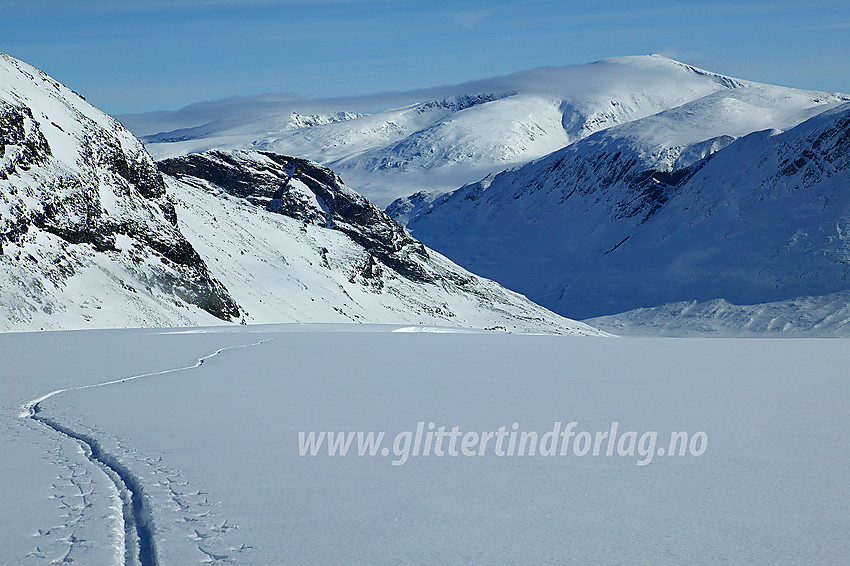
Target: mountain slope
{"type": "Point", "coordinates": [293, 243]}
{"type": "Point", "coordinates": [439, 139]}
{"type": "Point", "coordinates": [89, 235]}
{"type": "Point", "coordinates": [86, 228]}
{"type": "Point", "coordinates": [650, 213]}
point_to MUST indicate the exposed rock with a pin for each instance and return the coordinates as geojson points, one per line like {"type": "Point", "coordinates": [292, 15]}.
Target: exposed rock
{"type": "Point", "coordinates": [69, 171]}
{"type": "Point", "coordinates": [307, 191]}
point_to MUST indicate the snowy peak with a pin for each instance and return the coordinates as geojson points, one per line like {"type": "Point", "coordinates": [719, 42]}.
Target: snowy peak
{"type": "Point", "coordinates": [645, 158]}
{"type": "Point", "coordinates": [656, 60]}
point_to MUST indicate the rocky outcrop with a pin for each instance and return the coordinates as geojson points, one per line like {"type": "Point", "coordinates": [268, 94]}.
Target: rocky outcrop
{"type": "Point", "coordinates": [75, 175]}
{"type": "Point", "coordinates": [307, 191]}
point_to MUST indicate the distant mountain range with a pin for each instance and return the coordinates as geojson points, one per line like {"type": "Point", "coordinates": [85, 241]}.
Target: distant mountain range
{"type": "Point", "coordinates": [639, 193]}
{"type": "Point", "coordinates": [437, 139]}
{"type": "Point", "coordinates": [93, 233]}
{"type": "Point", "coordinates": [741, 196]}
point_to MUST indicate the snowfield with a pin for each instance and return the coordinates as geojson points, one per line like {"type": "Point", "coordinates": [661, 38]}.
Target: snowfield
{"type": "Point", "coordinates": [210, 448]}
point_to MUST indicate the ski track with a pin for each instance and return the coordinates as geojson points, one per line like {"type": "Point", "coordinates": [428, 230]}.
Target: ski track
{"type": "Point", "coordinates": [139, 540]}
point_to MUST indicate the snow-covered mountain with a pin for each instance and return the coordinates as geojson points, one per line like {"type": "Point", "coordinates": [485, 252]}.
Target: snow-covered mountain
{"type": "Point", "coordinates": [439, 139]}
{"type": "Point", "coordinates": [823, 315]}
{"type": "Point", "coordinates": [673, 207]}
{"type": "Point", "coordinates": [292, 242]}
{"type": "Point", "coordinates": [92, 234]}
{"type": "Point", "coordinates": [87, 231]}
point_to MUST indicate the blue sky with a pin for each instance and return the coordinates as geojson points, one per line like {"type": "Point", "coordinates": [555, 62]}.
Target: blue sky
{"type": "Point", "coordinates": [141, 55]}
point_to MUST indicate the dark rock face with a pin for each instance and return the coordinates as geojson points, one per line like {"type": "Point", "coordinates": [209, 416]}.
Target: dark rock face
{"type": "Point", "coordinates": [462, 102]}
{"type": "Point", "coordinates": [306, 191]}
{"type": "Point", "coordinates": [14, 131]}
{"type": "Point", "coordinates": [69, 192]}
{"type": "Point", "coordinates": [822, 152]}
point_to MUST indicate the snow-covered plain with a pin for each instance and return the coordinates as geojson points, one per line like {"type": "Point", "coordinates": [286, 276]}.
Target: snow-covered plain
{"type": "Point", "coordinates": [214, 447]}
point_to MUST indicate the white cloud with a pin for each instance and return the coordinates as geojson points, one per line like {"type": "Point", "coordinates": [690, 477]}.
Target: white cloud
{"type": "Point", "coordinates": [469, 18]}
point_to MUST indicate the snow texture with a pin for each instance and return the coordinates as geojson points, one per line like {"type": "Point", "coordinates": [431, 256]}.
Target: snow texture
{"type": "Point", "coordinates": [208, 432]}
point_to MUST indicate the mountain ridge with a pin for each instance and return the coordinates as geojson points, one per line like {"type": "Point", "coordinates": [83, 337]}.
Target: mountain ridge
{"type": "Point", "coordinates": [93, 234]}
{"type": "Point", "coordinates": [418, 143]}
{"type": "Point", "coordinates": [292, 234]}
{"type": "Point", "coordinates": [615, 226]}
{"type": "Point", "coordinates": [72, 176]}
